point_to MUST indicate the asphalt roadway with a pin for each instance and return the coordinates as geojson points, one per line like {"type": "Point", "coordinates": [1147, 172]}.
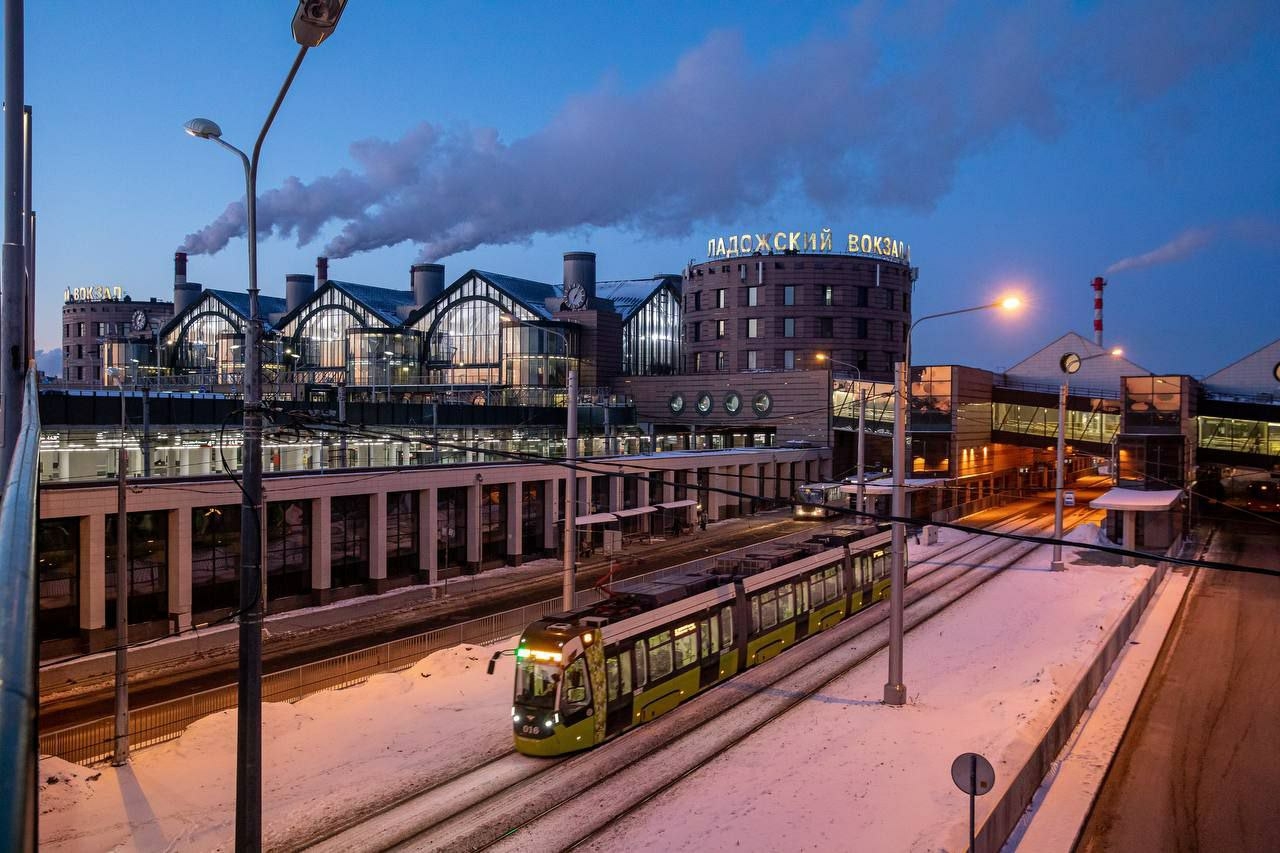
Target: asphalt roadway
{"type": "Point", "coordinates": [1199, 766]}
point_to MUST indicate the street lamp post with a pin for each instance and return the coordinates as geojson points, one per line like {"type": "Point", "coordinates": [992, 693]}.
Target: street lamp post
{"type": "Point", "coordinates": [1069, 364]}
{"type": "Point", "coordinates": [569, 591]}
{"type": "Point", "coordinates": [860, 499]}
{"type": "Point", "coordinates": [895, 691]}
{"type": "Point", "coordinates": [313, 22]}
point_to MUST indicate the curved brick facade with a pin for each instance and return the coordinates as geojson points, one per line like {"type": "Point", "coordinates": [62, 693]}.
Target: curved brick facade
{"type": "Point", "coordinates": [778, 312]}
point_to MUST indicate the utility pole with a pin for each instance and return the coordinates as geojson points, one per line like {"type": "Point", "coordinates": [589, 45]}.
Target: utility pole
{"type": "Point", "coordinates": [13, 278]}
{"type": "Point", "coordinates": [862, 451]}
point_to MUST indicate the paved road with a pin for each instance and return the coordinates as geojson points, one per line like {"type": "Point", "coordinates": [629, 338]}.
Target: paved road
{"type": "Point", "coordinates": [1199, 769]}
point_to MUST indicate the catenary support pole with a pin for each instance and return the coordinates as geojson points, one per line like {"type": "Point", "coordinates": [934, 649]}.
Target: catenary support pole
{"type": "Point", "coordinates": [571, 493]}
{"type": "Point", "coordinates": [120, 750]}
{"type": "Point", "coordinates": [862, 451]}
{"type": "Point", "coordinates": [895, 691]}
{"type": "Point", "coordinates": [1060, 480]}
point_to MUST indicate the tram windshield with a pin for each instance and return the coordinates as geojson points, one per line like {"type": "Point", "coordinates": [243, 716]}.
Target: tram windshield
{"type": "Point", "coordinates": [536, 684]}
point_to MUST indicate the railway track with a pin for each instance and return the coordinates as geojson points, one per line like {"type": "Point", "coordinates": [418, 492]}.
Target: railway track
{"type": "Point", "coordinates": [513, 802]}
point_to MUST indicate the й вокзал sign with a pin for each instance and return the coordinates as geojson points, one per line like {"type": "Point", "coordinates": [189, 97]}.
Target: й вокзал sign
{"type": "Point", "coordinates": [737, 245]}
{"type": "Point", "coordinates": [93, 293]}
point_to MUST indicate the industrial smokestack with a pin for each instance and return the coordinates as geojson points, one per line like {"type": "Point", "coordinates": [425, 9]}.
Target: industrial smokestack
{"type": "Point", "coordinates": [427, 281]}
{"type": "Point", "coordinates": [185, 293]}
{"type": "Point", "coordinates": [580, 268]}
{"type": "Point", "coordinates": [1098, 284]}
{"type": "Point", "coordinates": [298, 288]}
{"type": "Point", "coordinates": [322, 270]}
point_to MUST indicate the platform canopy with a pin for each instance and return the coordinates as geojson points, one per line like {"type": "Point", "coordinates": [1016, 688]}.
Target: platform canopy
{"type": "Point", "coordinates": [641, 510]}
{"type": "Point", "coordinates": [885, 487]}
{"type": "Point", "coordinates": [676, 504]}
{"type": "Point", "coordinates": [596, 518]}
{"type": "Point", "coordinates": [1137, 500]}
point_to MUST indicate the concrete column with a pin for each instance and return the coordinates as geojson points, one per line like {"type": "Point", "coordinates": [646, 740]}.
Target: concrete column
{"type": "Point", "coordinates": [473, 526]}
{"type": "Point", "coordinates": [64, 465]}
{"type": "Point", "coordinates": [668, 488]}
{"type": "Point", "coordinates": [321, 548]}
{"type": "Point", "coordinates": [1129, 534]}
{"type": "Point", "coordinates": [93, 572]}
{"type": "Point", "coordinates": [378, 540]}
{"type": "Point", "coordinates": [615, 494]}
{"type": "Point", "coordinates": [515, 529]}
{"type": "Point", "coordinates": [180, 568]}
{"type": "Point", "coordinates": [642, 492]}
{"type": "Point", "coordinates": [716, 479]}
{"type": "Point", "coordinates": [428, 535]}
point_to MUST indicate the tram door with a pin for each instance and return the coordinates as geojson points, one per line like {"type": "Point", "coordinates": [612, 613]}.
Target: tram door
{"type": "Point", "coordinates": [618, 683]}
{"type": "Point", "coordinates": [709, 650]}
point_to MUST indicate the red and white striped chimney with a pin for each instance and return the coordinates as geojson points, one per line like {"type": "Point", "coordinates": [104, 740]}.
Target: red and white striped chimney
{"type": "Point", "coordinates": [1098, 284]}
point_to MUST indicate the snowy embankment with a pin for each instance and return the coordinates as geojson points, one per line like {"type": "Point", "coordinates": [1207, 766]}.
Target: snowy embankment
{"type": "Point", "coordinates": [985, 676]}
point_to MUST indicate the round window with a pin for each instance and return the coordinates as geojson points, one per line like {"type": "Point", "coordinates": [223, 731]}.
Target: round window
{"type": "Point", "coordinates": [762, 403]}
{"type": "Point", "coordinates": [676, 403]}
{"type": "Point", "coordinates": [733, 402]}
{"type": "Point", "coordinates": [704, 403]}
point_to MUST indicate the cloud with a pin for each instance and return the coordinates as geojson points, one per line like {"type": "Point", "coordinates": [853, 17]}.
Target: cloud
{"type": "Point", "coordinates": [875, 111]}
{"type": "Point", "coordinates": [1192, 240]}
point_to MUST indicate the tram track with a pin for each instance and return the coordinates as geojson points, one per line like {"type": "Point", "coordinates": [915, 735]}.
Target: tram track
{"type": "Point", "coordinates": [511, 793]}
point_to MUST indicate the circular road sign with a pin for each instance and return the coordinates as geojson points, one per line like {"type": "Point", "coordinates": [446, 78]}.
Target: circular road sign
{"type": "Point", "coordinates": [973, 774]}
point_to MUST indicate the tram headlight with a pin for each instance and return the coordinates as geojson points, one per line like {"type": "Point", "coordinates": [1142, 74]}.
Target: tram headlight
{"type": "Point", "coordinates": [515, 718]}
{"type": "Point", "coordinates": [547, 723]}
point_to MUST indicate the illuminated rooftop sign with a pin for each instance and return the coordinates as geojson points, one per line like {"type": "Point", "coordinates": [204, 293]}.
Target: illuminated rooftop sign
{"type": "Point", "coordinates": [807, 242]}
{"type": "Point", "coordinates": [93, 293]}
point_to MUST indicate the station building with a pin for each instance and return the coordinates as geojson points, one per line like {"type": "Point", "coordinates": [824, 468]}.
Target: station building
{"type": "Point", "coordinates": [94, 318]}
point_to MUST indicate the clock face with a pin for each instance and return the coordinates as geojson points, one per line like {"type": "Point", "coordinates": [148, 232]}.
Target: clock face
{"type": "Point", "coordinates": [576, 296]}
{"type": "Point", "coordinates": [1275, 371]}
{"type": "Point", "coordinates": [676, 403]}
{"type": "Point", "coordinates": [732, 402]}
{"type": "Point", "coordinates": [1069, 363]}
{"type": "Point", "coordinates": [139, 320]}
{"type": "Point", "coordinates": [704, 403]}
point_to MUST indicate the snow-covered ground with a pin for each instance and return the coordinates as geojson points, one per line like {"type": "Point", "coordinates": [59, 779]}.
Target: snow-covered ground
{"type": "Point", "coordinates": [986, 676]}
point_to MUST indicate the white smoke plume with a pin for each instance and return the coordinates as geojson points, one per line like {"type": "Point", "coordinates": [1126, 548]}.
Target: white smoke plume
{"type": "Point", "coordinates": [876, 110]}
{"type": "Point", "coordinates": [1193, 240]}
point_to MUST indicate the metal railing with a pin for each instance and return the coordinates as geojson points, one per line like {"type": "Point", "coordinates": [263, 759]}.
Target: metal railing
{"type": "Point", "coordinates": [91, 742]}
{"type": "Point", "coordinates": [19, 693]}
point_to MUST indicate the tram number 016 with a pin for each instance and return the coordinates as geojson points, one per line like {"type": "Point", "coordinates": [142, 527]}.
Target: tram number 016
{"type": "Point", "coordinates": [528, 729]}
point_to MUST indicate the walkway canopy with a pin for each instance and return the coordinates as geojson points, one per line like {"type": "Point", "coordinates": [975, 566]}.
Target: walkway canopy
{"type": "Point", "coordinates": [1137, 500]}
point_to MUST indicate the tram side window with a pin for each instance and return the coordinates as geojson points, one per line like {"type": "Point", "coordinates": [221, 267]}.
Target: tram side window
{"type": "Point", "coordinates": [577, 695]}
{"type": "Point", "coordinates": [802, 597]}
{"type": "Point", "coordinates": [769, 609]}
{"type": "Point", "coordinates": [755, 614]}
{"type": "Point", "coordinates": [726, 624]}
{"type": "Point", "coordinates": [686, 645]}
{"type": "Point", "coordinates": [660, 655]}
{"type": "Point", "coordinates": [815, 590]}
{"type": "Point", "coordinates": [786, 603]}
{"type": "Point", "coordinates": [860, 565]}
{"type": "Point", "coordinates": [642, 670]}
{"type": "Point", "coordinates": [831, 583]}
{"type": "Point", "coordinates": [704, 637]}
{"type": "Point", "coordinates": [882, 565]}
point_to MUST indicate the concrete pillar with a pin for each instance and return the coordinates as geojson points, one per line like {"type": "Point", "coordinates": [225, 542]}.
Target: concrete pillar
{"type": "Point", "coordinates": [321, 547]}
{"type": "Point", "coordinates": [428, 535]}
{"type": "Point", "coordinates": [615, 490]}
{"type": "Point", "coordinates": [378, 540]}
{"type": "Point", "coordinates": [515, 528]}
{"type": "Point", "coordinates": [716, 500]}
{"type": "Point", "coordinates": [473, 526]}
{"type": "Point", "coordinates": [179, 579]}
{"type": "Point", "coordinates": [93, 572]}
{"type": "Point", "coordinates": [668, 488]}
{"type": "Point", "coordinates": [1129, 534]}
{"type": "Point", "coordinates": [64, 465]}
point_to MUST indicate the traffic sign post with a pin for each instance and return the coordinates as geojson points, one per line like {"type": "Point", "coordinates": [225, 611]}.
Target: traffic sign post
{"type": "Point", "coordinates": [974, 775]}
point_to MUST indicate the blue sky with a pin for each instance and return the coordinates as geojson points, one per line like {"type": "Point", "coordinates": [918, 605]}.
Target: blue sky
{"type": "Point", "coordinates": [1033, 148]}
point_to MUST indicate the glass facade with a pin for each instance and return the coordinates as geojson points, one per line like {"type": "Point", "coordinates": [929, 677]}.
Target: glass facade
{"type": "Point", "coordinates": [533, 517]}
{"type": "Point", "coordinates": [1152, 404]}
{"type": "Point", "coordinates": [651, 336]}
{"type": "Point", "coordinates": [317, 338]}
{"type": "Point", "coordinates": [288, 548]}
{"type": "Point", "coordinates": [493, 523]}
{"type": "Point", "coordinates": [1239, 436]}
{"type": "Point", "coordinates": [215, 557]}
{"type": "Point", "coordinates": [536, 355]}
{"type": "Point", "coordinates": [209, 341]}
{"type": "Point", "coordinates": [383, 357]}
{"type": "Point", "coordinates": [148, 567]}
{"type": "Point", "coordinates": [451, 531]}
{"type": "Point", "coordinates": [349, 540]}
{"type": "Point", "coordinates": [58, 571]}
{"type": "Point", "coordinates": [463, 333]}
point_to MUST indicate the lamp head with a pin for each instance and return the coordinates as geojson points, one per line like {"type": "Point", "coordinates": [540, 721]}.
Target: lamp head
{"type": "Point", "coordinates": [1011, 303]}
{"type": "Point", "coordinates": [316, 20]}
{"type": "Point", "coordinates": [203, 128]}
{"type": "Point", "coordinates": [821, 356]}
{"type": "Point", "coordinates": [1117, 351]}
